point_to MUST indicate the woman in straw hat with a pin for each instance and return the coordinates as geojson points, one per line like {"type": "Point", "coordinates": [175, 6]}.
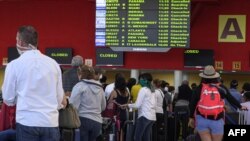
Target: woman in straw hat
{"type": "Point", "coordinates": [210, 127]}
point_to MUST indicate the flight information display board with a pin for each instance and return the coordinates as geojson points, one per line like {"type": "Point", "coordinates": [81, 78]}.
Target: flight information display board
{"type": "Point", "coordinates": [143, 25]}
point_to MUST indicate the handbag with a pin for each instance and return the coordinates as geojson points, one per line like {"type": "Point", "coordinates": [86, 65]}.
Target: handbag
{"type": "Point", "coordinates": [109, 110]}
{"type": "Point", "coordinates": [68, 117]}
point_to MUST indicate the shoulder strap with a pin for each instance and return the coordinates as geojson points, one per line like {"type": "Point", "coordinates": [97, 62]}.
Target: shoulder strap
{"type": "Point", "coordinates": [92, 83]}
{"type": "Point", "coordinates": [162, 94]}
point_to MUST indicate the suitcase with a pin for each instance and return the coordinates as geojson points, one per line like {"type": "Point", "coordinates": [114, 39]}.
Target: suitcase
{"type": "Point", "coordinates": [172, 127]}
{"type": "Point", "coordinates": [130, 126]}
{"type": "Point", "coordinates": [181, 118]}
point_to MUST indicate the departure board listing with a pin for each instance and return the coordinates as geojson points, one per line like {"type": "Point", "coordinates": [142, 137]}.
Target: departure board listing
{"type": "Point", "coordinates": [143, 25]}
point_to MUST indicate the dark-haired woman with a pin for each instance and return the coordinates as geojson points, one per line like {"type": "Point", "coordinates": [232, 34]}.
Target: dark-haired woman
{"type": "Point", "coordinates": [120, 95]}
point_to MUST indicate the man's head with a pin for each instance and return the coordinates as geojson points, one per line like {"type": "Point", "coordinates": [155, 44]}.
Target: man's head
{"type": "Point", "coordinates": [77, 61]}
{"type": "Point", "coordinates": [26, 38]}
{"type": "Point", "coordinates": [234, 84]}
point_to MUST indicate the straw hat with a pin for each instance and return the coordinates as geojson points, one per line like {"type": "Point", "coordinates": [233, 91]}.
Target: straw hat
{"type": "Point", "coordinates": [209, 73]}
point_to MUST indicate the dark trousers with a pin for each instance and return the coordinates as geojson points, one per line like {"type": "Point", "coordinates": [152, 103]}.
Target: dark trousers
{"type": "Point", "coordinates": [27, 133]}
{"type": "Point", "coordinates": [143, 129]}
{"type": "Point", "coordinates": [89, 129]}
{"type": "Point", "coordinates": [8, 135]}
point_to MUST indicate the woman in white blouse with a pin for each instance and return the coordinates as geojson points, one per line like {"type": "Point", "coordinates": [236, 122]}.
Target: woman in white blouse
{"type": "Point", "coordinates": [146, 105]}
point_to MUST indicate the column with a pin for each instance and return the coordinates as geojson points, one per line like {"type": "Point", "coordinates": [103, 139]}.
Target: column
{"type": "Point", "coordinates": [177, 79]}
{"type": "Point", "coordinates": [134, 74]}
{"type": "Point", "coordinates": [184, 76]}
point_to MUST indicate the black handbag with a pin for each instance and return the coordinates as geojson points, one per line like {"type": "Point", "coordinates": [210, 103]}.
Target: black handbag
{"type": "Point", "coordinates": [69, 118]}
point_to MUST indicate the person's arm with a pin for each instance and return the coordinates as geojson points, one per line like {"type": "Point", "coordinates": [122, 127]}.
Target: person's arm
{"type": "Point", "coordinates": [9, 86]}
{"type": "Point", "coordinates": [76, 93]}
{"type": "Point", "coordinates": [61, 99]}
{"type": "Point", "coordinates": [112, 96]}
{"type": "Point", "coordinates": [194, 100]}
{"type": "Point", "coordinates": [139, 99]}
{"type": "Point", "coordinates": [170, 105]}
{"type": "Point", "coordinates": [226, 94]}
{"type": "Point", "coordinates": [103, 104]}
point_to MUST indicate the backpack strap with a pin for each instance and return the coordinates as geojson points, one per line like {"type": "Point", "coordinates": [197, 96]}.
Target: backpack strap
{"type": "Point", "coordinates": [162, 94]}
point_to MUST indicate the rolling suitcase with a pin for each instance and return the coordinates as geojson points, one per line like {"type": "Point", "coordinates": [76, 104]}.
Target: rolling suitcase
{"type": "Point", "coordinates": [130, 127]}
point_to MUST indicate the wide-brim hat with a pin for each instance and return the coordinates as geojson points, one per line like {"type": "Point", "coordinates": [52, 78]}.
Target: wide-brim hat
{"type": "Point", "coordinates": [209, 73]}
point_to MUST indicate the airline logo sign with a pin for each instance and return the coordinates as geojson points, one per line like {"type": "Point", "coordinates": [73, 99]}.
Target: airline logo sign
{"type": "Point", "coordinates": [232, 28]}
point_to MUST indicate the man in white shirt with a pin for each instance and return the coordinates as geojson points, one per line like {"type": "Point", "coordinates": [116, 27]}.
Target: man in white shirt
{"type": "Point", "coordinates": [33, 82]}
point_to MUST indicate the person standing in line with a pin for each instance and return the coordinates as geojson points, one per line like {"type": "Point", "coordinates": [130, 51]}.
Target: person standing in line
{"type": "Point", "coordinates": [110, 87]}
{"type": "Point", "coordinates": [33, 82]}
{"type": "Point", "coordinates": [89, 99]}
{"type": "Point", "coordinates": [236, 94]}
{"type": "Point", "coordinates": [158, 127]}
{"type": "Point", "coordinates": [210, 126]}
{"type": "Point", "coordinates": [70, 77]}
{"type": "Point", "coordinates": [120, 95]}
{"type": "Point", "coordinates": [103, 81]}
{"type": "Point", "coordinates": [146, 105]}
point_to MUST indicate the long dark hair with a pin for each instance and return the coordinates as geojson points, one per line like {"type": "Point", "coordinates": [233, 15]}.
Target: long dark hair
{"type": "Point", "coordinates": [120, 84]}
{"type": "Point", "coordinates": [207, 81]}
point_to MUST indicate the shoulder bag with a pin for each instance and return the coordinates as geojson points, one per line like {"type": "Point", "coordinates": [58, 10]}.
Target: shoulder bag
{"type": "Point", "coordinates": [69, 118]}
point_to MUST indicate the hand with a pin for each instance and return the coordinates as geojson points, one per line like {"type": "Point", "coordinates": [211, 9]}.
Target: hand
{"type": "Point", "coordinates": [124, 106]}
{"type": "Point", "coordinates": [243, 108]}
{"type": "Point", "coordinates": [64, 102]}
{"type": "Point", "coordinates": [191, 123]}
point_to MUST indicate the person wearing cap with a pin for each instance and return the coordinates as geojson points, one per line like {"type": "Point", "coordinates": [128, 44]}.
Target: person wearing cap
{"type": "Point", "coordinates": [70, 77]}
{"type": "Point", "coordinates": [209, 127]}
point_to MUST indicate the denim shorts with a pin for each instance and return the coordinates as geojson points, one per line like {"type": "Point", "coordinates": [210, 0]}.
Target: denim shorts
{"type": "Point", "coordinates": [214, 126]}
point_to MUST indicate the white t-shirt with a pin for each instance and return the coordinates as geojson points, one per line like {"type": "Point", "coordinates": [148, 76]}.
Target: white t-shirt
{"type": "Point", "coordinates": [159, 100]}
{"type": "Point", "coordinates": [109, 88]}
{"type": "Point", "coordinates": [146, 104]}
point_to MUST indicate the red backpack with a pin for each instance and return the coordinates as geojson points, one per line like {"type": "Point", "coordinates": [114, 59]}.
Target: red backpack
{"type": "Point", "coordinates": [210, 103]}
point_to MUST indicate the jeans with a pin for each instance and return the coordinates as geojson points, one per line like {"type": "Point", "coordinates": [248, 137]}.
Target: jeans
{"type": "Point", "coordinates": [89, 129]}
{"type": "Point", "coordinates": [28, 133]}
{"type": "Point", "coordinates": [143, 129]}
{"type": "Point", "coordinates": [8, 135]}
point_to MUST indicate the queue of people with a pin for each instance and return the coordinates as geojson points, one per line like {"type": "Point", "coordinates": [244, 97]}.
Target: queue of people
{"type": "Point", "coordinates": [34, 83]}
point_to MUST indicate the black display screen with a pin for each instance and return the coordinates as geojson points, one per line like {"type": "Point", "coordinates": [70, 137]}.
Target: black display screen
{"type": "Point", "coordinates": [143, 25]}
{"type": "Point", "coordinates": [12, 53]}
{"type": "Point", "coordinates": [198, 57]}
{"type": "Point", "coordinates": [108, 57]}
{"type": "Point", "coordinates": [61, 55]}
